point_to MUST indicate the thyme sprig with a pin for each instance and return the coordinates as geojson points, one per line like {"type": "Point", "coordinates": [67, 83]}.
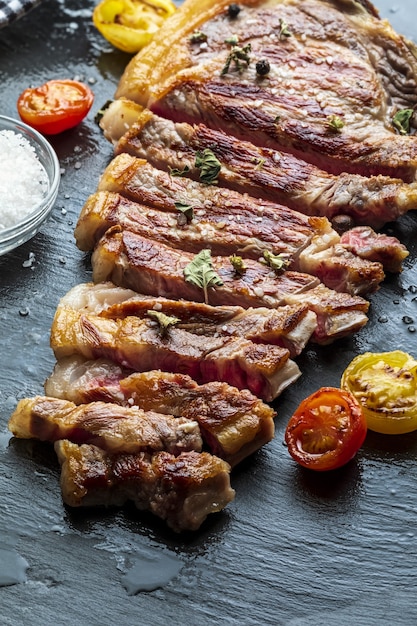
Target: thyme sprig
{"type": "Point", "coordinates": [260, 162]}
{"type": "Point", "coordinates": [198, 37]}
{"type": "Point", "coordinates": [284, 31]}
{"type": "Point", "coordinates": [165, 322]}
{"type": "Point", "coordinates": [200, 272]}
{"type": "Point", "coordinates": [401, 121]}
{"type": "Point", "coordinates": [240, 56]}
{"type": "Point", "coordinates": [334, 122]}
{"type": "Point", "coordinates": [278, 262]}
{"type": "Point", "coordinates": [238, 264]}
{"type": "Point", "coordinates": [233, 40]}
{"type": "Point", "coordinates": [176, 172]}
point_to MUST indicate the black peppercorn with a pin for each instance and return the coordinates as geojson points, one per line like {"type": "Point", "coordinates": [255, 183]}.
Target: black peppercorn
{"type": "Point", "coordinates": [263, 67]}
{"type": "Point", "coordinates": [233, 10]}
{"type": "Point", "coordinates": [342, 223]}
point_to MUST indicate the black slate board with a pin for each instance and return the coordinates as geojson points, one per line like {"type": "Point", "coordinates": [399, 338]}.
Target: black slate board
{"type": "Point", "coordinates": [294, 548]}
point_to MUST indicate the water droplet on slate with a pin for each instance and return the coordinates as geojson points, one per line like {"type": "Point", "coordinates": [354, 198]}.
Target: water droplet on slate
{"type": "Point", "coordinates": [383, 319]}
{"type": "Point", "coordinates": [407, 319]}
{"type": "Point", "coordinates": [148, 574]}
{"type": "Point", "coordinates": [12, 567]}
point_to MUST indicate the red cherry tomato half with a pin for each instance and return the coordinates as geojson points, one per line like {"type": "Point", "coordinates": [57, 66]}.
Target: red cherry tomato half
{"type": "Point", "coordinates": [55, 106]}
{"type": "Point", "coordinates": [326, 430]}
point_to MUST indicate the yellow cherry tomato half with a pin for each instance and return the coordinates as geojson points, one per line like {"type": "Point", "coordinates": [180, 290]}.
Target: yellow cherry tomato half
{"type": "Point", "coordinates": [385, 384]}
{"type": "Point", "coordinates": [130, 24]}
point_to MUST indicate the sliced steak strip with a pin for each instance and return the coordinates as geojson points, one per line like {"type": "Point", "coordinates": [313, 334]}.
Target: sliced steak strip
{"type": "Point", "coordinates": [265, 173]}
{"type": "Point", "coordinates": [110, 426]}
{"type": "Point", "coordinates": [233, 233]}
{"type": "Point", "coordinates": [289, 326]}
{"type": "Point", "coordinates": [366, 243]}
{"type": "Point", "coordinates": [233, 423]}
{"type": "Point", "coordinates": [181, 490]}
{"type": "Point", "coordinates": [340, 63]}
{"type": "Point", "coordinates": [138, 344]}
{"type": "Point", "coordinates": [148, 267]}
{"type": "Point", "coordinates": [137, 180]}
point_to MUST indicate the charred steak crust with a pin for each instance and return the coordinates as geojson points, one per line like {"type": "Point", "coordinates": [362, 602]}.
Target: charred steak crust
{"type": "Point", "coordinates": [181, 490]}
{"type": "Point", "coordinates": [273, 175]}
{"type": "Point", "coordinates": [340, 62]}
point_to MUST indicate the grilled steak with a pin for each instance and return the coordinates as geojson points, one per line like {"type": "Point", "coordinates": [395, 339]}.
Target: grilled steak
{"type": "Point", "coordinates": [138, 344]}
{"type": "Point", "coordinates": [181, 490]}
{"type": "Point", "coordinates": [338, 76]}
{"type": "Point", "coordinates": [233, 423]}
{"type": "Point", "coordinates": [137, 180]}
{"type": "Point", "coordinates": [263, 172]}
{"type": "Point", "coordinates": [289, 326]}
{"type": "Point", "coordinates": [110, 426]}
{"type": "Point", "coordinates": [336, 266]}
{"type": "Point", "coordinates": [148, 267]}
{"type": "Point", "coordinates": [366, 243]}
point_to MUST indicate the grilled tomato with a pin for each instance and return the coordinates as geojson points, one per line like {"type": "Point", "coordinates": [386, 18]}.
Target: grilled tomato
{"type": "Point", "coordinates": [326, 430]}
{"type": "Point", "coordinates": [55, 106]}
{"type": "Point", "coordinates": [385, 384]}
{"type": "Point", "coordinates": [130, 24]}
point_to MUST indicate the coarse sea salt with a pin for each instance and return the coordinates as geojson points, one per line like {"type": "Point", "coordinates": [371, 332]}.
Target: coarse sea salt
{"type": "Point", "coordinates": [23, 179]}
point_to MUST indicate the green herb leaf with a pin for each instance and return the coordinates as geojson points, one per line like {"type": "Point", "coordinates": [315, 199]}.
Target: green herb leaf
{"type": "Point", "coordinates": [198, 37]}
{"type": "Point", "coordinates": [208, 165]}
{"type": "Point", "coordinates": [283, 29]}
{"type": "Point", "coordinates": [277, 262]}
{"type": "Point", "coordinates": [238, 264]}
{"type": "Point", "coordinates": [165, 322]}
{"type": "Point", "coordinates": [259, 163]}
{"type": "Point", "coordinates": [401, 121]}
{"type": "Point", "coordinates": [239, 56]}
{"type": "Point", "coordinates": [185, 209]}
{"type": "Point", "coordinates": [200, 272]}
{"type": "Point", "coordinates": [233, 40]}
{"type": "Point", "coordinates": [335, 123]}
{"type": "Point", "coordinates": [176, 172]}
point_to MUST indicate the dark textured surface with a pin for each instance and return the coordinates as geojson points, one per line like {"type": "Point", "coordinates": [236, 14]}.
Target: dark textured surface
{"type": "Point", "coordinates": [293, 549]}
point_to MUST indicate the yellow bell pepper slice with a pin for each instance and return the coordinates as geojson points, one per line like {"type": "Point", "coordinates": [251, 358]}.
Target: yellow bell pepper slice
{"type": "Point", "coordinates": [385, 384]}
{"type": "Point", "coordinates": [130, 24]}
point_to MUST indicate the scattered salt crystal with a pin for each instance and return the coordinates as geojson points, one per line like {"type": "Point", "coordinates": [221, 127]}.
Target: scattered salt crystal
{"type": "Point", "coordinates": [23, 179]}
{"type": "Point", "coordinates": [30, 260]}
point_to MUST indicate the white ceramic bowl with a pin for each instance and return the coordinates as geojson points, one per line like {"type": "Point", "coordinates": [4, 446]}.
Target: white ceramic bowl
{"type": "Point", "coordinates": [16, 235]}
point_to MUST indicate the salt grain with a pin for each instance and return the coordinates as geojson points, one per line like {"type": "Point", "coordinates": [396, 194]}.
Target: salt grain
{"type": "Point", "coordinates": [23, 179]}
